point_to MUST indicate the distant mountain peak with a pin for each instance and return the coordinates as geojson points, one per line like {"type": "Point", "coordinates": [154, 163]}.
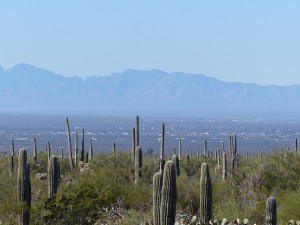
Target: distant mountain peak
{"type": "Point", "coordinates": [26, 87]}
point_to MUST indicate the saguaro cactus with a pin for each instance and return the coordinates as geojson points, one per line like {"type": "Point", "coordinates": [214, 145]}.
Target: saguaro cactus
{"type": "Point", "coordinates": [162, 142]}
{"type": "Point", "coordinates": [205, 149]}
{"type": "Point", "coordinates": [91, 149]}
{"type": "Point", "coordinates": [168, 195]}
{"type": "Point", "coordinates": [224, 166]}
{"type": "Point", "coordinates": [157, 186]}
{"type": "Point", "coordinates": [82, 147]}
{"type": "Point", "coordinates": [138, 163]}
{"type": "Point", "coordinates": [179, 148]}
{"type": "Point", "coordinates": [11, 165]}
{"type": "Point", "coordinates": [24, 187]}
{"type": "Point", "coordinates": [114, 149]}
{"type": "Point", "coordinates": [49, 150]}
{"type": "Point", "coordinates": [205, 195]}
{"type": "Point", "coordinates": [12, 147]}
{"type": "Point", "coordinates": [76, 149]}
{"type": "Point", "coordinates": [271, 215]}
{"type": "Point", "coordinates": [133, 144]}
{"type": "Point", "coordinates": [175, 160]}
{"type": "Point", "coordinates": [137, 132]}
{"type": "Point", "coordinates": [69, 144]}
{"type": "Point", "coordinates": [34, 150]}
{"type": "Point", "coordinates": [52, 176]}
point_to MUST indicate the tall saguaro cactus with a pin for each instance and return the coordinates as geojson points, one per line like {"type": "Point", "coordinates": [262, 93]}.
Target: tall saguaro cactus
{"type": "Point", "coordinates": [175, 160]}
{"type": "Point", "coordinates": [157, 186]}
{"type": "Point", "coordinates": [24, 187]}
{"type": "Point", "coordinates": [69, 144]}
{"type": "Point", "coordinates": [205, 195]}
{"type": "Point", "coordinates": [11, 165]}
{"type": "Point", "coordinates": [224, 173]}
{"type": "Point", "coordinates": [91, 154]}
{"type": "Point", "coordinates": [76, 149]}
{"type": "Point", "coordinates": [138, 163]}
{"type": "Point", "coordinates": [82, 147]}
{"type": "Point", "coordinates": [179, 148]}
{"type": "Point", "coordinates": [271, 215]}
{"type": "Point", "coordinates": [12, 147]}
{"type": "Point", "coordinates": [49, 150]}
{"type": "Point", "coordinates": [52, 176]}
{"type": "Point", "coordinates": [133, 144]}
{"type": "Point", "coordinates": [168, 195]}
{"type": "Point", "coordinates": [114, 150]}
{"type": "Point", "coordinates": [34, 150]}
{"type": "Point", "coordinates": [205, 149]}
{"type": "Point", "coordinates": [162, 142]}
{"type": "Point", "coordinates": [137, 132]}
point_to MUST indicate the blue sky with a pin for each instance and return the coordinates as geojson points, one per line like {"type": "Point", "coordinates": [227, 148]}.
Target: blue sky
{"type": "Point", "coordinates": [243, 40]}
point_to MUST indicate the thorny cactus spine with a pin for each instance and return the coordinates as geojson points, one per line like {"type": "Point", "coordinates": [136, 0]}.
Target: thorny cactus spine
{"type": "Point", "coordinates": [205, 195]}
{"type": "Point", "coordinates": [168, 195]}
{"type": "Point", "coordinates": [157, 186]}
{"type": "Point", "coordinates": [176, 162]}
{"type": "Point", "coordinates": [24, 187]}
{"type": "Point", "coordinates": [138, 163]}
{"type": "Point", "coordinates": [271, 215]}
{"type": "Point", "coordinates": [52, 176]}
{"type": "Point", "coordinates": [69, 144]}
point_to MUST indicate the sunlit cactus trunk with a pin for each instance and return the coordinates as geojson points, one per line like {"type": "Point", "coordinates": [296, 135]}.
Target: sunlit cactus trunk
{"type": "Point", "coordinates": [224, 173]}
{"type": "Point", "coordinates": [76, 150]}
{"type": "Point", "coordinates": [162, 142]}
{"type": "Point", "coordinates": [82, 154]}
{"type": "Point", "coordinates": [24, 187]}
{"type": "Point", "coordinates": [168, 195]}
{"type": "Point", "coordinates": [34, 150]}
{"type": "Point", "coordinates": [52, 176]}
{"type": "Point", "coordinates": [205, 149]}
{"type": "Point", "coordinates": [12, 147]}
{"type": "Point", "coordinates": [133, 144]}
{"type": "Point", "coordinates": [205, 195]}
{"type": "Point", "coordinates": [157, 186]}
{"type": "Point", "coordinates": [69, 145]}
{"type": "Point", "coordinates": [179, 148]}
{"type": "Point", "coordinates": [91, 154]}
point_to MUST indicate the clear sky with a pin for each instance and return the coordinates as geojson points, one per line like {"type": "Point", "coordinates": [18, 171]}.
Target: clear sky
{"type": "Point", "coordinates": [233, 40]}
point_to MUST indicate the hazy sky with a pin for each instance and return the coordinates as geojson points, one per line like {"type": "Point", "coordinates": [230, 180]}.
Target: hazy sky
{"type": "Point", "coordinates": [243, 40]}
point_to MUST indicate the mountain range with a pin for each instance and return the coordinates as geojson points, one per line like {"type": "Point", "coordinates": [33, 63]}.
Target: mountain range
{"type": "Point", "coordinates": [27, 89]}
